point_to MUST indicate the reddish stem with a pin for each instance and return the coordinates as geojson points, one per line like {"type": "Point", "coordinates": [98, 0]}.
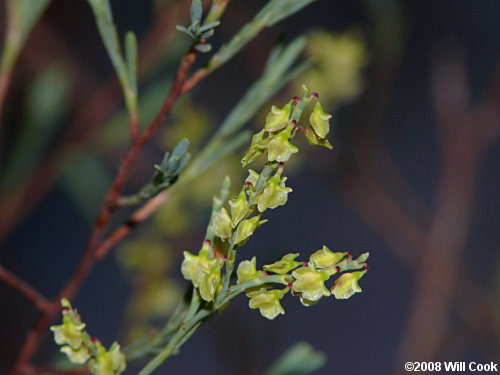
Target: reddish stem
{"type": "Point", "coordinates": [30, 293]}
{"type": "Point", "coordinates": [88, 259]}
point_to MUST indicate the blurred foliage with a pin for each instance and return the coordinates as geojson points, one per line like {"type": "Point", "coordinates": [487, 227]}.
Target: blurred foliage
{"type": "Point", "coordinates": [43, 111]}
{"type": "Point", "coordinates": [338, 62]}
{"type": "Point", "coordinates": [300, 359]}
{"type": "Point", "coordinates": [22, 15]}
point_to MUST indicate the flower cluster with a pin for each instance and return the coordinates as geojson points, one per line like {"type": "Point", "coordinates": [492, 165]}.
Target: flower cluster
{"type": "Point", "coordinates": [80, 348]}
{"type": "Point", "coordinates": [233, 226]}
{"type": "Point", "coordinates": [305, 279]}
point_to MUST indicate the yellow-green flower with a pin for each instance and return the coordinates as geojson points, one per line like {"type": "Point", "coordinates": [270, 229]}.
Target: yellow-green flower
{"type": "Point", "coordinates": [279, 147]}
{"type": "Point", "coordinates": [247, 271]}
{"type": "Point", "coordinates": [347, 285]}
{"type": "Point", "coordinates": [314, 140]}
{"type": "Point", "coordinates": [256, 149]}
{"type": "Point", "coordinates": [310, 283]}
{"type": "Point", "coordinates": [72, 331]}
{"type": "Point", "coordinates": [108, 362]}
{"type": "Point", "coordinates": [274, 194]}
{"type": "Point", "coordinates": [246, 228]}
{"type": "Point", "coordinates": [277, 118]}
{"type": "Point", "coordinates": [223, 224]}
{"type": "Point", "coordinates": [284, 265]}
{"type": "Point", "coordinates": [239, 208]}
{"type": "Point", "coordinates": [203, 271]}
{"type": "Point", "coordinates": [267, 301]}
{"type": "Point", "coordinates": [78, 356]}
{"type": "Point", "coordinates": [252, 177]}
{"type": "Point", "coordinates": [325, 258]}
{"type": "Point", "coordinates": [319, 121]}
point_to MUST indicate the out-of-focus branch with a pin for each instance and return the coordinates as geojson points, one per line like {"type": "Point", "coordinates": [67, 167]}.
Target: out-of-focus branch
{"type": "Point", "coordinates": [84, 126]}
{"type": "Point", "coordinates": [439, 262]}
{"type": "Point", "coordinates": [88, 259]}
{"type": "Point", "coordinates": [21, 286]}
{"type": "Point", "coordinates": [405, 230]}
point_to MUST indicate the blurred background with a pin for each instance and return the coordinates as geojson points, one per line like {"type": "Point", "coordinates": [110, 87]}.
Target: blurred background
{"type": "Point", "coordinates": [413, 178]}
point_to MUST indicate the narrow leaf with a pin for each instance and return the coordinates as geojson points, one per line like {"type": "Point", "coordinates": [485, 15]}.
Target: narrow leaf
{"type": "Point", "coordinates": [131, 57]}
{"type": "Point", "coordinates": [196, 11]}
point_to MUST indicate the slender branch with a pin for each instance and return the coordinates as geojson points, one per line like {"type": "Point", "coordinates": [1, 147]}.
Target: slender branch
{"type": "Point", "coordinates": [84, 125]}
{"type": "Point", "coordinates": [137, 217]}
{"type": "Point", "coordinates": [34, 337]}
{"type": "Point", "coordinates": [21, 286]}
{"type": "Point", "coordinates": [449, 229]}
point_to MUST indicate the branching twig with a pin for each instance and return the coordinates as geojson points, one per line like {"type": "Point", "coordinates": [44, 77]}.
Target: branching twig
{"type": "Point", "coordinates": [83, 127]}
{"type": "Point", "coordinates": [34, 337]}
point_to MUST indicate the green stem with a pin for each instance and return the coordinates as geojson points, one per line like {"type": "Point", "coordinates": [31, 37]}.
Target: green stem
{"type": "Point", "coordinates": [184, 332]}
{"type": "Point", "coordinates": [237, 289]}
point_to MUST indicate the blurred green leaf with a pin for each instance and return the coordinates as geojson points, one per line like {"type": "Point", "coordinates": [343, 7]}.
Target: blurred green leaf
{"type": "Point", "coordinates": [86, 182]}
{"type": "Point", "coordinates": [285, 9]}
{"type": "Point", "coordinates": [131, 56]}
{"type": "Point", "coordinates": [21, 16]}
{"type": "Point", "coordinates": [272, 12]}
{"type": "Point", "coordinates": [196, 11]}
{"type": "Point", "coordinates": [44, 108]}
{"type": "Point", "coordinates": [126, 70]}
{"type": "Point", "coordinates": [300, 359]}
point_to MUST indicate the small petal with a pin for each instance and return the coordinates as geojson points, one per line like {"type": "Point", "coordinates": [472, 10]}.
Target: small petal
{"type": "Point", "coordinates": [256, 149]}
{"type": "Point", "coordinates": [252, 177]}
{"type": "Point", "coordinates": [347, 285]}
{"type": "Point", "coordinates": [319, 121]}
{"type": "Point", "coordinates": [247, 271]}
{"type": "Point", "coordinates": [325, 258]}
{"type": "Point", "coordinates": [277, 118]}
{"type": "Point", "coordinates": [239, 207]}
{"type": "Point", "coordinates": [72, 330]}
{"type": "Point", "coordinates": [314, 140]}
{"type": "Point", "coordinates": [210, 283]}
{"type": "Point", "coordinates": [222, 224]}
{"type": "Point", "coordinates": [310, 283]}
{"type": "Point", "coordinates": [246, 228]}
{"type": "Point", "coordinates": [285, 265]}
{"type": "Point", "coordinates": [279, 148]}
{"type": "Point", "coordinates": [78, 356]}
{"type": "Point", "coordinates": [268, 302]}
{"type": "Point", "coordinates": [108, 362]}
{"type": "Point", "coordinates": [274, 194]}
